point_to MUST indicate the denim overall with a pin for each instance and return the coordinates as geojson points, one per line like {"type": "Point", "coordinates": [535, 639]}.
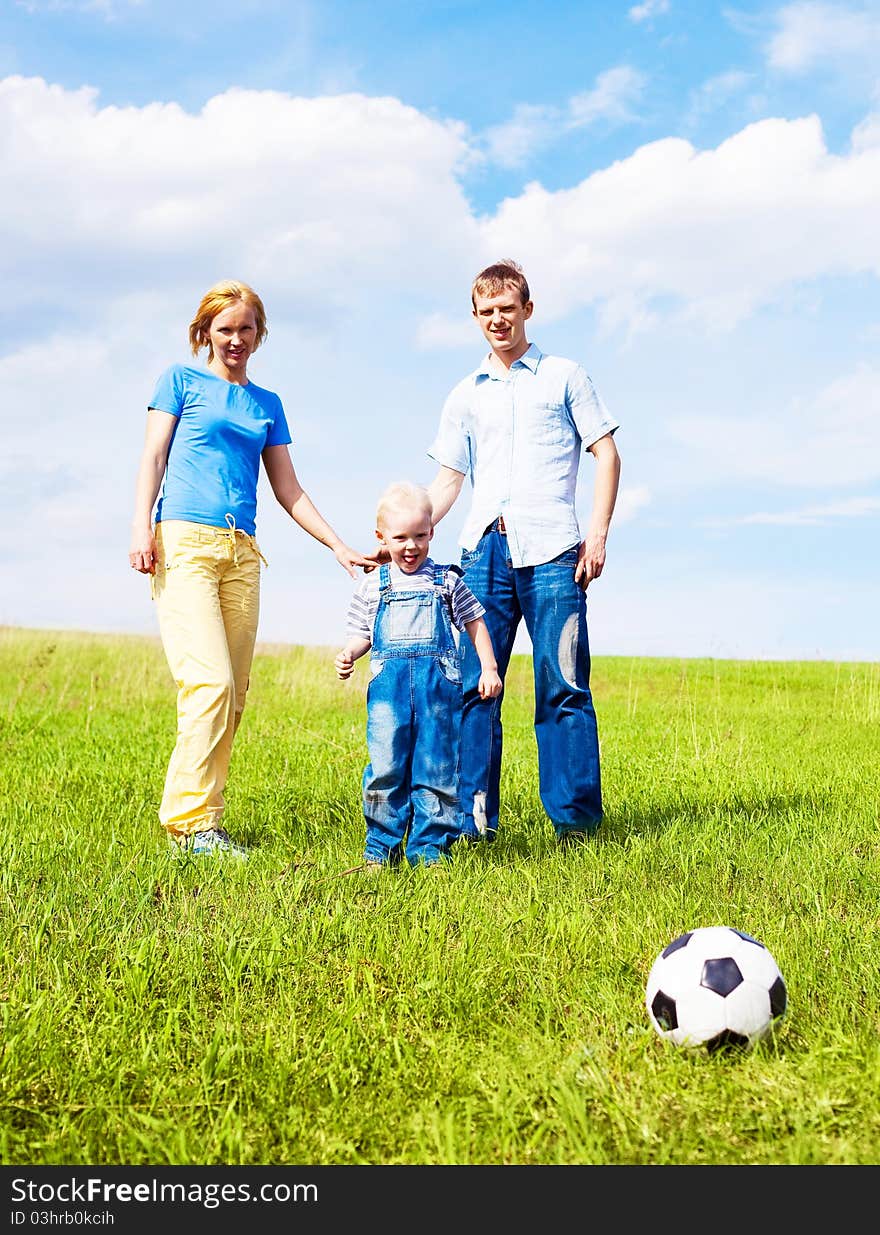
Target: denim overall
{"type": "Point", "coordinates": [410, 785]}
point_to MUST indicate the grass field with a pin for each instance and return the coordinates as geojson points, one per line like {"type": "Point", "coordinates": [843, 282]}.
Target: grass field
{"type": "Point", "coordinates": [292, 1010]}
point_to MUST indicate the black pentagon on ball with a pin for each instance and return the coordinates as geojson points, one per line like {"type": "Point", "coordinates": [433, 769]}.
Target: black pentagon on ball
{"type": "Point", "coordinates": [727, 1040]}
{"type": "Point", "coordinates": [748, 938]}
{"type": "Point", "coordinates": [663, 1007]}
{"type": "Point", "coordinates": [721, 975]}
{"type": "Point", "coordinates": [778, 998]}
{"type": "Point", "coordinates": [676, 944]}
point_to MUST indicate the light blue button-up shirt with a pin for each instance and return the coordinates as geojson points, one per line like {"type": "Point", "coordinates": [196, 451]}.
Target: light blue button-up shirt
{"type": "Point", "coordinates": [518, 434]}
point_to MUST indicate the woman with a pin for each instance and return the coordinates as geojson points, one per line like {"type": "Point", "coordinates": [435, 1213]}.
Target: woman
{"type": "Point", "coordinates": [207, 430]}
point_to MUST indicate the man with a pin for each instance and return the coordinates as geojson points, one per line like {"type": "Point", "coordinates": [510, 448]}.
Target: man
{"type": "Point", "coordinates": [516, 427]}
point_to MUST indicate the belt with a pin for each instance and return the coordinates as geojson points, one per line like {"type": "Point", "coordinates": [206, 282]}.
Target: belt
{"type": "Point", "coordinates": [497, 525]}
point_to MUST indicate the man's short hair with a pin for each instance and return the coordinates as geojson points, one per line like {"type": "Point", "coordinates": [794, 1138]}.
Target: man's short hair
{"type": "Point", "coordinates": [403, 495]}
{"type": "Point", "coordinates": [495, 278]}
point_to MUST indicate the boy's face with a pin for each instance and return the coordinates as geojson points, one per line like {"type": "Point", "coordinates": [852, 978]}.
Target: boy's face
{"type": "Point", "coordinates": [406, 533]}
{"type": "Point", "coordinates": [502, 319]}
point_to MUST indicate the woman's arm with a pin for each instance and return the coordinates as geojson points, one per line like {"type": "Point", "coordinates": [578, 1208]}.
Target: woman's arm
{"type": "Point", "coordinates": [294, 499]}
{"type": "Point", "coordinates": [160, 429]}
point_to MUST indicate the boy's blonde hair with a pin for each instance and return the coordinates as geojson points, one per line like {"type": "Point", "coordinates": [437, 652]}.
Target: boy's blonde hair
{"type": "Point", "coordinates": [495, 278]}
{"type": "Point", "coordinates": [214, 301]}
{"type": "Point", "coordinates": [402, 493]}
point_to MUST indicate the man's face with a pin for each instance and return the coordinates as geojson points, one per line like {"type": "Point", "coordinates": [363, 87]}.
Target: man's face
{"type": "Point", "coordinates": [502, 319]}
{"type": "Point", "coordinates": [406, 532]}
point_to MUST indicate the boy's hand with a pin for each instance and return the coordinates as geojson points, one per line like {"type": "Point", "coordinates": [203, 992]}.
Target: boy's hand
{"type": "Point", "coordinates": [344, 665]}
{"type": "Point", "coordinates": [490, 684]}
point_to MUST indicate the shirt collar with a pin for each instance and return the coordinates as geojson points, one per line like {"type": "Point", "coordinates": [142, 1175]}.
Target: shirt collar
{"type": "Point", "coordinates": [530, 359]}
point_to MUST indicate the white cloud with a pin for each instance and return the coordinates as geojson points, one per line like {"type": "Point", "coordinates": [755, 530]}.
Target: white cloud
{"type": "Point", "coordinates": [339, 210]}
{"type": "Point", "coordinates": [333, 195]}
{"type": "Point", "coordinates": [438, 330]}
{"type": "Point", "coordinates": [348, 215]}
{"type": "Point", "coordinates": [309, 196]}
{"type": "Point", "coordinates": [610, 99]}
{"type": "Point", "coordinates": [810, 32]}
{"type": "Point", "coordinates": [106, 8]}
{"type": "Point", "coordinates": [715, 232]}
{"type": "Point", "coordinates": [533, 126]}
{"type": "Point", "coordinates": [828, 441]}
{"type": "Point", "coordinates": [716, 92]}
{"type": "Point", "coordinates": [647, 10]}
{"type": "Point", "coordinates": [630, 500]}
{"type": "Point", "coordinates": [679, 608]}
{"type": "Point", "coordinates": [813, 516]}
{"type": "Point", "coordinates": [866, 134]}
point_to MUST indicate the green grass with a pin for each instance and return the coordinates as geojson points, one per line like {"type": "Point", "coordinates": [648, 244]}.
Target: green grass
{"type": "Point", "coordinates": [292, 1010]}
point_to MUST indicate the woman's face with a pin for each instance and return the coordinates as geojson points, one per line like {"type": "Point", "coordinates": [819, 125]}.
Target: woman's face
{"type": "Point", "coordinates": [233, 335]}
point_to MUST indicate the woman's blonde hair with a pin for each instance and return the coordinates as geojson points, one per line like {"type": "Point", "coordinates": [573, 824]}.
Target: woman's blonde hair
{"type": "Point", "coordinates": [220, 297]}
{"type": "Point", "coordinates": [403, 495]}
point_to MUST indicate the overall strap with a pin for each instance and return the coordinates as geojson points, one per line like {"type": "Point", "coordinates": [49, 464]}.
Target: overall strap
{"type": "Point", "coordinates": [440, 575]}
{"type": "Point", "coordinates": [384, 577]}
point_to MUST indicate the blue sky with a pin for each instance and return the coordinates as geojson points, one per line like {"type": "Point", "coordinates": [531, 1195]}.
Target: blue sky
{"type": "Point", "coordinates": [692, 188]}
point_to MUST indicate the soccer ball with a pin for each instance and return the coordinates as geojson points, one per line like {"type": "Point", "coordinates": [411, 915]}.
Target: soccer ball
{"type": "Point", "coordinates": [715, 987]}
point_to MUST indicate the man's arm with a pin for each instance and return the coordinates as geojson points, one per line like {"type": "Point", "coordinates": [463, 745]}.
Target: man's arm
{"type": "Point", "coordinates": [591, 554]}
{"type": "Point", "coordinates": [443, 490]}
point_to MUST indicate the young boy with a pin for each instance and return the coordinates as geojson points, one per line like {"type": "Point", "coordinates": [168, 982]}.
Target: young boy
{"type": "Point", "coordinates": [403, 613]}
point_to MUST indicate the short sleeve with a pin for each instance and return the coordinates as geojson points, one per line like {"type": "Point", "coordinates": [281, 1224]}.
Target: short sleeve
{"type": "Point", "coordinates": [169, 392]}
{"type": "Point", "coordinates": [590, 415]}
{"type": "Point", "coordinates": [464, 604]}
{"type": "Point", "coordinates": [278, 434]}
{"type": "Point", "coordinates": [451, 446]}
{"type": "Point", "coordinates": [361, 612]}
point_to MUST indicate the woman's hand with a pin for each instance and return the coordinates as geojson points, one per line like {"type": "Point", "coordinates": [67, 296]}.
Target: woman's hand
{"type": "Point", "coordinates": [348, 559]}
{"type": "Point", "coordinates": [143, 552]}
{"type": "Point", "coordinates": [377, 558]}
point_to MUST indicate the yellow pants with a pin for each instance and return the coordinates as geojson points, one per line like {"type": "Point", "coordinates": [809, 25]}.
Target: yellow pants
{"type": "Point", "coordinates": [207, 593]}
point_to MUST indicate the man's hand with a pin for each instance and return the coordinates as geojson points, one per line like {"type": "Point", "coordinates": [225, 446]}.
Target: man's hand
{"type": "Point", "coordinates": [591, 560]}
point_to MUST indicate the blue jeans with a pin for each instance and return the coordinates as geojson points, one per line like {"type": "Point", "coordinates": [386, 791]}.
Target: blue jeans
{"type": "Point", "coordinates": [554, 609]}
{"type": "Point", "coordinates": [410, 785]}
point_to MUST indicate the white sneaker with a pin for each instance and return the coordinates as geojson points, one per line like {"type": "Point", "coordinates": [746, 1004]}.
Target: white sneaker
{"type": "Point", "coordinates": [213, 841]}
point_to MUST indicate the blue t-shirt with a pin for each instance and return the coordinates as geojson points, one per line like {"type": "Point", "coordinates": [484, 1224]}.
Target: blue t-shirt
{"type": "Point", "coordinates": [214, 457]}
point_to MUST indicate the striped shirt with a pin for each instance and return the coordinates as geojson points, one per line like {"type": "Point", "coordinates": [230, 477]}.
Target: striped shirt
{"type": "Point", "coordinates": [461, 603]}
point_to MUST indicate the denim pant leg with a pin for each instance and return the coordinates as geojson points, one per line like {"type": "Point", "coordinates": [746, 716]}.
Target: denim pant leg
{"type": "Point", "coordinates": [436, 815]}
{"type": "Point", "coordinates": [490, 576]}
{"type": "Point", "coordinates": [555, 611]}
{"type": "Point", "coordinates": [386, 780]}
